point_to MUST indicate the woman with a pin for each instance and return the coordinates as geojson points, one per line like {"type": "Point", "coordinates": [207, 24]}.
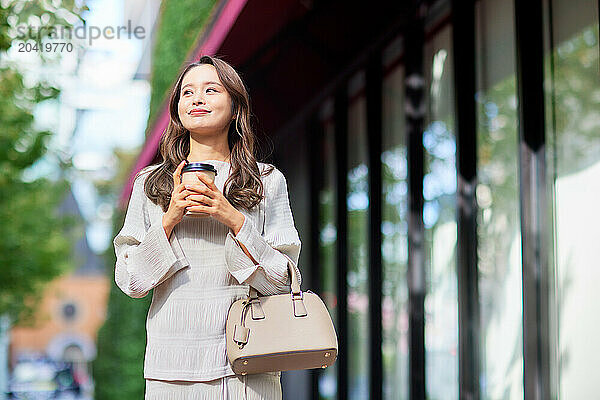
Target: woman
{"type": "Point", "coordinates": [199, 266]}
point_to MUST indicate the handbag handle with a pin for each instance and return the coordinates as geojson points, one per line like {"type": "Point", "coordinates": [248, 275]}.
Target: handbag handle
{"type": "Point", "coordinates": [241, 332]}
{"type": "Point", "coordinates": [295, 285]}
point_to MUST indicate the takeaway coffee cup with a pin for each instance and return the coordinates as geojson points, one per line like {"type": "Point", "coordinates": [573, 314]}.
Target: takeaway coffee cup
{"type": "Point", "coordinates": [188, 175]}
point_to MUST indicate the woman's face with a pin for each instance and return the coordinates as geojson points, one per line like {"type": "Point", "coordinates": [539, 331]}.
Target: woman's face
{"type": "Point", "coordinates": [204, 104]}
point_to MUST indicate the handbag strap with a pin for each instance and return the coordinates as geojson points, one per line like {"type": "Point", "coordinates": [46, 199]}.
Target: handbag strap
{"type": "Point", "coordinates": [241, 332]}
{"type": "Point", "coordinates": [295, 285]}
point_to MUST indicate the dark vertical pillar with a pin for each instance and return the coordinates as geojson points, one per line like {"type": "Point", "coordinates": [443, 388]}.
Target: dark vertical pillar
{"type": "Point", "coordinates": [415, 114]}
{"type": "Point", "coordinates": [534, 203]}
{"type": "Point", "coordinates": [316, 171]}
{"type": "Point", "coordinates": [463, 25]}
{"type": "Point", "coordinates": [341, 144]}
{"type": "Point", "coordinates": [374, 82]}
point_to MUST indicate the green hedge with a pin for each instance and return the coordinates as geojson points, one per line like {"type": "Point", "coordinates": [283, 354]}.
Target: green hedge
{"type": "Point", "coordinates": [118, 369]}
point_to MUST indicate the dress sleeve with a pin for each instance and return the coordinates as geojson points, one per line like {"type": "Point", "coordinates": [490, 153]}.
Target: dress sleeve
{"type": "Point", "coordinates": [279, 245]}
{"type": "Point", "coordinates": [145, 256]}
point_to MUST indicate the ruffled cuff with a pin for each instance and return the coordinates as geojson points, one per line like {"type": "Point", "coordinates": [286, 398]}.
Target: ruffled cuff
{"type": "Point", "coordinates": [272, 262]}
{"type": "Point", "coordinates": [238, 262]}
{"type": "Point", "coordinates": [154, 260]}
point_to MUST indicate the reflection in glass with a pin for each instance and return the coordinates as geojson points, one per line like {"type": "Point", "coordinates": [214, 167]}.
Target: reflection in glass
{"type": "Point", "coordinates": [498, 225]}
{"type": "Point", "coordinates": [327, 251]}
{"type": "Point", "coordinates": [357, 278]}
{"type": "Point", "coordinates": [439, 191]}
{"type": "Point", "coordinates": [394, 247]}
{"type": "Point", "coordinates": [573, 96]}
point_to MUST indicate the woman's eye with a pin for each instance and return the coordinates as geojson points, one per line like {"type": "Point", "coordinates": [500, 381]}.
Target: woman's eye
{"type": "Point", "coordinates": [186, 91]}
{"type": "Point", "coordinates": [211, 89]}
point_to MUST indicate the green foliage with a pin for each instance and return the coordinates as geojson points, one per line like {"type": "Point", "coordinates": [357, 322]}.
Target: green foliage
{"type": "Point", "coordinates": [35, 20]}
{"type": "Point", "coordinates": [118, 370]}
{"type": "Point", "coordinates": [37, 240]}
{"type": "Point", "coordinates": [20, 144]}
{"type": "Point", "coordinates": [574, 102]}
{"type": "Point", "coordinates": [37, 244]}
{"type": "Point", "coordinates": [181, 22]}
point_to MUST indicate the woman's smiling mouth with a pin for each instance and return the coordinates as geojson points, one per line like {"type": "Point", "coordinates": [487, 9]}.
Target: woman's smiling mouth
{"type": "Point", "coordinates": [198, 111]}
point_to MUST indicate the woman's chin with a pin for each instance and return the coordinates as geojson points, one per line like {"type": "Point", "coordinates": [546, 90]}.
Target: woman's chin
{"type": "Point", "coordinates": [204, 130]}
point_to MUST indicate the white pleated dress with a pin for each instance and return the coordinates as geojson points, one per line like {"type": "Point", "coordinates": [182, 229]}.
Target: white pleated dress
{"type": "Point", "coordinates": [196, 275]}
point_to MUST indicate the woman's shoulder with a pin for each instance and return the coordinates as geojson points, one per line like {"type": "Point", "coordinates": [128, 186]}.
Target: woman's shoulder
{"type": "Point", "coordinates": [149, 168]}
{"type": "Point", "coordinates": [144, 172]}
{"type": "Point", "coordinates": [273, 179]}
{"type": "Point", "coordinates": [270, 173]}
{"type": "Point", "coordinates": [139, 182]}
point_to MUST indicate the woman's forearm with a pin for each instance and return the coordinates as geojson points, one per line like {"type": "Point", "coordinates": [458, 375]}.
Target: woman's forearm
{"type": "Point", "coordinates": [237, 226]}
{"type": "Point", "coordinates": [168, 228]}
{"type": "Point", "coordinates": [246, 251]}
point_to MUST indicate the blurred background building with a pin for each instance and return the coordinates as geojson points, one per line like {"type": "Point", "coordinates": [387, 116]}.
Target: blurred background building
{"type": "Point", "coordinates": [436, 154]}
{"type": "Point", "coordinates": [72, 310]}
{"type": "Point", "coordinates": [99, 117]}
{"type": "Point", "coordinates": [443, 165]}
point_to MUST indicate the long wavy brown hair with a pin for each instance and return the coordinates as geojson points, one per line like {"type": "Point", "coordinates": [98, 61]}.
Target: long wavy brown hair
{"type": "Point", "coordinates": [243, 188]}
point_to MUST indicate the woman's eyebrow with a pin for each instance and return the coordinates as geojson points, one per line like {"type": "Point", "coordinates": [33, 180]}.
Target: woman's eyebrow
{"type": "Point", "coordinates": [206, 83]}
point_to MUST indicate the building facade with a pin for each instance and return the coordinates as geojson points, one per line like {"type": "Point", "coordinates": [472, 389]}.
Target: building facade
{"type": "Point", "coordinates": [443, 164]}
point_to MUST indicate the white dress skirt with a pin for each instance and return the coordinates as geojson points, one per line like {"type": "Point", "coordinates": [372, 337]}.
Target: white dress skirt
{"type": "Point", "coordinates": [265, 386]}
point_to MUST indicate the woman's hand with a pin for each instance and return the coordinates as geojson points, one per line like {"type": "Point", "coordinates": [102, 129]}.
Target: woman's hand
{"type": "Point", "coordinates": [178, 204]}
{"type": "Point", "coordinates": [210, 200]}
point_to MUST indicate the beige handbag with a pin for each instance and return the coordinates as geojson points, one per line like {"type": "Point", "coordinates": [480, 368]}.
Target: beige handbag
{"type": "Point", "coordinates": [280, 332]}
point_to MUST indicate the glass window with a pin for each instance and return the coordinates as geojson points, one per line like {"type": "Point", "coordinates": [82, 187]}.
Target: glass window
{"type": "Point", "coordinates": [573, 104]}
{"type": "Point", "coordinates": [357, 257]}
{"type": "Point", "coordinates": [394, 247]}
{"type": "Point", "coordinates": [439, 191]}
{"type": "Point", "coordinates": [327, 248]}
{"type": "Point", "coordinates": [498, 225]}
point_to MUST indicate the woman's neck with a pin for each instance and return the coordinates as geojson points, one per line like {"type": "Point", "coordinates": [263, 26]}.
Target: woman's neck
{"type": "Point", "coordinates": [202, 151]}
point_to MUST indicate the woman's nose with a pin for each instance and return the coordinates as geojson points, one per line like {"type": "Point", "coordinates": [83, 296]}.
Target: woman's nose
{"type": "Point", "coordinates": [198, 100]}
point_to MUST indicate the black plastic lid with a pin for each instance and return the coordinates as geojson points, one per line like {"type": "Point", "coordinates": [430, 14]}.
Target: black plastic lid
{"type": "Point", "coordinates": [198, 166]}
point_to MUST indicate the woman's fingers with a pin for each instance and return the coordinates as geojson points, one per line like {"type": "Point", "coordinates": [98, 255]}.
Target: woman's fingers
{"type": "Point", "coordinates": [199, 208]}
{"type": "Point", "coordinates": [183, 193]}
{"type": "Point", "coordinates": [193, 196]}
{"type": "Point", "coordinates": [210, 184]}
{"type": "Point", "coordinates": [185, 198]}
{"type": "Point", "coordinates": [199, 189]}
{"type": "Point", "coordinates": [198, 198]}
{"type": "Point", "coordinates": [179, 190]}
{"type": "Point", "coordinates": [177, 174]}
